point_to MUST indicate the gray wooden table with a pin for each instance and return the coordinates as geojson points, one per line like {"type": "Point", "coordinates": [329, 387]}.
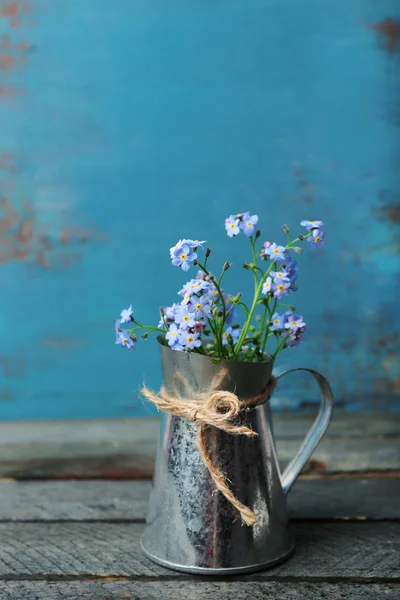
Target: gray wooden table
{"type": "Point", "coordinates": [73, 500]}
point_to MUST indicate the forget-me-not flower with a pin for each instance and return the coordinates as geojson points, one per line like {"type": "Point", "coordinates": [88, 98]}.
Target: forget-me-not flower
{"type": "Point", "coordinates": [277, 322]}
{"type": "Point", "coordinates": [201, 306]}
{"type": "Point", "coordinates": [185, 317]}
{"type": "Point", "coordinates": [311, 224]}
{"type": "Point", "coordinates": [275, 252]}
{"type": "Point", "coordinates": [124, 339]}
{"type": "Point", "coordinates": [294, 322]}
{"type": "Point", "coordinates": [174, 337]}
{"type": "Point", "coordinates": [183, 256]}
{"type": "Point", "coordinates": [281, 289]}
{"type": "Point", "coordinates": [235, 333]}
{"type": "Point", "coordinates": [191, 340]}
{"type": "Point", "coordinates": [317, 238]}
{"type": "Point", "coordinates": [248, 224]}
{"type": "Point", "coordinates": [267, 285]}
{"type": "Point", "coordinates": [126, 315]}
{"type": "Point", "coordinates": [232, 226]}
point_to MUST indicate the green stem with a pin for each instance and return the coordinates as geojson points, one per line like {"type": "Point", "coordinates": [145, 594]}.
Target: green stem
{"type": "Point", "coordinates": [280, 346]}
{"type": "Point", "coordinates": [271, 312]}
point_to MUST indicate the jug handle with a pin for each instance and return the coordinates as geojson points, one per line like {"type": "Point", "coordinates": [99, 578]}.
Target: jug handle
{"type": "Point", "coordinates": [314, 434]}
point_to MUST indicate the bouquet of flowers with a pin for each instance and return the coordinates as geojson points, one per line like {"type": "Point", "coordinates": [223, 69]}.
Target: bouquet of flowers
{"type": "Point", "coordinates": [210, 321]}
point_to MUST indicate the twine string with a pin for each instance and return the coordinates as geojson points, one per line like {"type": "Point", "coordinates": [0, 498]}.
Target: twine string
{"type": "Point", "coordinates": [214, 408]}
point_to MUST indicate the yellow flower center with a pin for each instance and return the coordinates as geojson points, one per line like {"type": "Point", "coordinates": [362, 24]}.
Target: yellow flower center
{"type": "Point", "coordinates": [198, 306]}
{"type": "Point", "coordinates": [276, 322]}
{"type": "Point", "coordinates": [186, 318]}
{"type": "Point", "coordinates": [281, 287]}
{"type": "Point", "coordinates": [318, 239]}
{"type": "Point", "coordinates": [249, 224]}
{"type": "Point", "coordinates": [294, 323]}
{"type": "Point", "coordinates": [183, 256]}
{"type": "Point", "coordinates": [232, 225]}
{"type": "Point", "coordinates": [276, 251]}
{"type": "Point", "coordinates": [190, 339]}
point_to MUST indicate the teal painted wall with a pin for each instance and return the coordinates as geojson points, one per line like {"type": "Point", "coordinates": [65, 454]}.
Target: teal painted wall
{"type": "Point", "coordinates": [126, 125]}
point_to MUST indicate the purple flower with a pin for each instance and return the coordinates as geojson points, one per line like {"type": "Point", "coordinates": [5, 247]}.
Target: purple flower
{"type": "Point", "coordinates": [201, 306]}
{"type": "Point", "coordinates": [185, 317]}
{"type": "Point", "coordinates": [235, 333]}
{"type": "Point", "coordinates": [183, 256]}
{"type": "Point", "coordinates": [124, 339]}
{"type": "Point", "coordinates": [311, 224]}
{"type": "Point", "coordinates": [275, 252]}
{"type": "Point", "coordinates": [126, 315]}
{"type": "Point", "coordinates": [191, 340]}
{"type": "Point", "coordinates": [281, 289]}
{"type": "Point", "coordinates": [199, 326]}
{"type": "Point", "coordinates": [174, 337]}
{"type": "Point", "coordinates": [277, 322]}
{"type": "Point", "coordinates": [267, 285]}
{"type": "Point", "coordinates": [232, 226]}
{"type": "Point", "coordinates": [317, 238]}
{"type": "Point", "coordinates": [294, 322]}
{"type": "Point", "coordinates": [248, 224]}
{"type": "Point", "coordinates": [280, 276]}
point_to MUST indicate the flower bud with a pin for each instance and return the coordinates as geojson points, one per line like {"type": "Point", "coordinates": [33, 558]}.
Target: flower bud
{"type": "Point", "coordinates": [301, 238]}
{"type": "Point", "coordinates": [227, 265]}
{"type": "Point", "coordinates": [246, 266]}
{"type": "Point", "coordinates": [145, 335]}
{"type": "Point", "coordinates": [297, 249]}
{"type": "Point", "coordinates": [212, 277]}
{"type": "Point", "coordinates": [258, 233]}
{"type": "Point", "coordinates": [285, 228]}
{"type": "Point", "coordinates": [195, 263]}
{"type": "Point", "coordinates": [207, 252]}
{"type": "Point", "coordinates": [134, 338]}
{"type": "Point", "coordinates": [236, 299]}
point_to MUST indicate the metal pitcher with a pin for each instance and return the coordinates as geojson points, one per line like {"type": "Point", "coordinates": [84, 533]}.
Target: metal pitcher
{"type": "Point", "coordinates": [191, 527]}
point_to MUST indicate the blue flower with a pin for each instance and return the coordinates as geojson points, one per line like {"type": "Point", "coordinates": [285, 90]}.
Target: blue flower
{"type": "Point", "coordinates": [317, 238]}
{"type": "Point", "coordinates": [294, 322]}
{"type": "Point", "coordinates": [194, 243]}
{"type": "Point", "coordinates": [174, 337]}
{"type": "Point", "coordinates": [123, 338]}
{"type": "Point", "coordinates": [183, 256]}
{"type": "Point", "coordinates": [201, 306]}
{"type": "Point", "coordinates": [248, 224]}
{"type": "Point", "coordinates": [126, 315]}
{"type": "Point", "coordinates": [185, 317]}
{"type": "Point", "coordinates": [275, 252]}
{"type": "Point", "coordinates": [280, 276]}
{"type": "Point", "coordinates": [191, 340]}
{"type": "Point", "coordinates": [169, 311]}
{"type": "Point", "coordinates": [194, 286]}
{"type": "Point", "coordinates": [281, 289]}
{"type": "Point", "coordinates": [311, 224]}
{"type": "Point", "coordinates": [235, 333]}
{"type": "Point", "coordinates": [267, 285]}
{"type": "Point", "coordinates": [232, 226]}
{"type": "Point", "coordinates": [277, 322]}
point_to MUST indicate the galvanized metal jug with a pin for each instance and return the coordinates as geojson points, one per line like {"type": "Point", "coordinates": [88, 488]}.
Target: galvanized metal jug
{"type": "Point", "coordinates": [191, 527]}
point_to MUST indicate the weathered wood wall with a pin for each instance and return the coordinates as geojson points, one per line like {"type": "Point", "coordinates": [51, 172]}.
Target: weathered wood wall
{"type": "Point", "coordinates": [128, 124]}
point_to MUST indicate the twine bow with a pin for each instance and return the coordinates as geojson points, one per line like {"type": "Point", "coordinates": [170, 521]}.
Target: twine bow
{"type": "Point", "coordinates": [213, 408]}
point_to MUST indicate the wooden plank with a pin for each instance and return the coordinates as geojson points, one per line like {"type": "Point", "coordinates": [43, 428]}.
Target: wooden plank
{"type": "Point", "coordinates": [194, 590]}
{"type": "Point", "coordinates": [126, 449]}
{"type": "Point", "coordinates": [102, 431]}
{"type": "Point", "coordinates": [324, 550]}
{"type": "Point", "coordinates": [346, 499]}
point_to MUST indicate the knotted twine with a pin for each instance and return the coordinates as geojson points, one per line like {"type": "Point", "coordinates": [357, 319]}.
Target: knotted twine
{"type": "Point", "coordinates": [213, 408]}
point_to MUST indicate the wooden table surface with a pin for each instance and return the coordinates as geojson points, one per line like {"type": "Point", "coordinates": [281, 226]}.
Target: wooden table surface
{"type": "Point", "coordinates": [73, 499]}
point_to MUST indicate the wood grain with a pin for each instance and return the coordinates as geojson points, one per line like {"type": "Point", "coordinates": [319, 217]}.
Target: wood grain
{"type": "Point", "coordinates": [125, 449]}
{"type": "Point", "coordinates": [327, 498]}
{"type": "Point", "coordinates": [194, 590]}
{"type": "Point", "coordinates": [324, 550]}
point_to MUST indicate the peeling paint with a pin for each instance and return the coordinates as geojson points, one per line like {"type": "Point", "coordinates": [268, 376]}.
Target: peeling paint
{"type": "Point", "coordinates": [13, 11]}
{"type": "Point", "coordinates": [24, 238]}
{"type": "Point", "coordinates": [389, 33]}
{"type": "Point", "coordinates": [389, 209]}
